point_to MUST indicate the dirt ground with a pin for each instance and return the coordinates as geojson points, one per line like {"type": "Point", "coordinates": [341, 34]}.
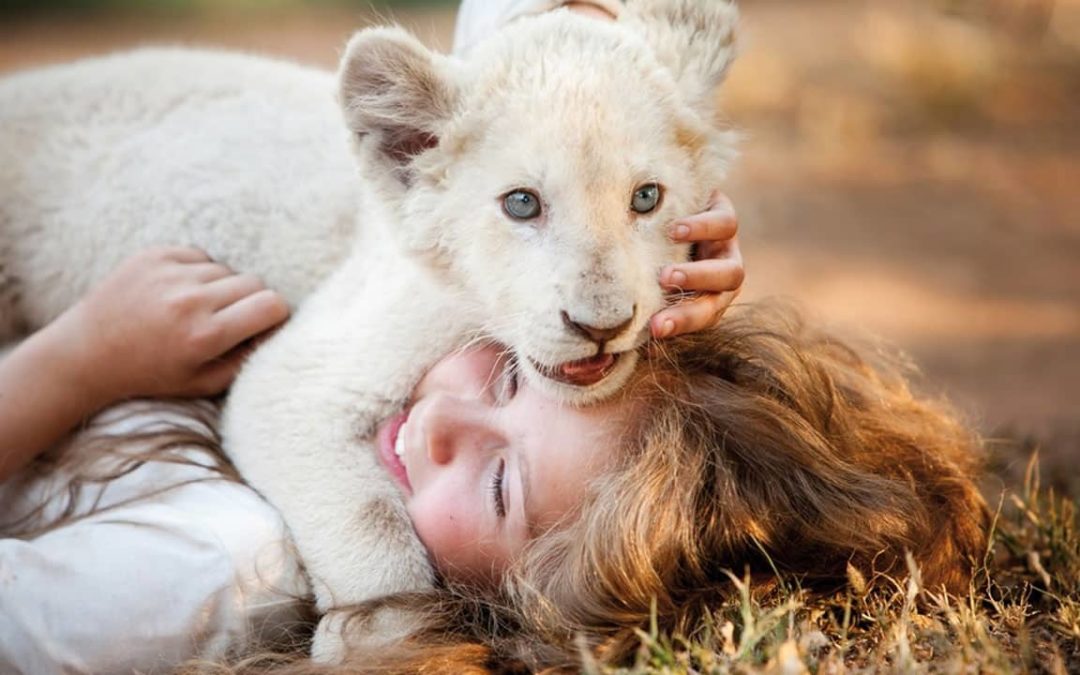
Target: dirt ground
{"type": "Point", "coordinates": [907, 171]}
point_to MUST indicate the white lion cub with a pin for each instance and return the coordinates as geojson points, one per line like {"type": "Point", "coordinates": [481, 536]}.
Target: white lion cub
{"type": "Point", "coordinates": [521, 194]}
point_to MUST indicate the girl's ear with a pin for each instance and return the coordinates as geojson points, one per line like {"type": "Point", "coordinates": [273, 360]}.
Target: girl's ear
{"type": "Point", "coordinates": [396, 92]}
{"type": "Point", "coordinates": [695, 39]}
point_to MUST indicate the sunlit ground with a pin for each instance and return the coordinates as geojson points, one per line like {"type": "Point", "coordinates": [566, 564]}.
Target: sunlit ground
{"type": "Point", "coordinates": [906, 171]}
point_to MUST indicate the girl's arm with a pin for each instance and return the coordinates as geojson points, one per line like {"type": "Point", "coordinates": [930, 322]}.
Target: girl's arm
{"type": "Point", "coordinates": [167, 322]}
{"type": "Point", "coordinates": [41, 398]}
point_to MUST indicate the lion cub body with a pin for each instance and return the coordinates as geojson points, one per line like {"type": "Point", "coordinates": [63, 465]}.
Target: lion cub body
{"type": "Point", "coordinates": [245, 157]}
{"type": "Point", "coordinates": [248, 159]}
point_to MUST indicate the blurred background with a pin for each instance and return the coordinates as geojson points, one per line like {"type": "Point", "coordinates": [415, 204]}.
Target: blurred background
{"type": "Point", "coordinates": [910, 169]}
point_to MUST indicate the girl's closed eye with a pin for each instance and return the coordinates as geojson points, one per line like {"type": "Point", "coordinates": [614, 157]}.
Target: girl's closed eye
{"type": "Point", "coordinates": [496, 489]}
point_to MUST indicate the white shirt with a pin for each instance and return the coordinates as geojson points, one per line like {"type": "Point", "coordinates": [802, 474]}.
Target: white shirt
{"type": "Point", "coordinates": [168, 563]}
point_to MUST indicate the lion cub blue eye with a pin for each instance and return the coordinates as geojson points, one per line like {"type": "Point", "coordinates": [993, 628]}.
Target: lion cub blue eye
{"type": "Point", "coordinates": [646, 198]}
{"type": "Point", "coordinates": [522, 205]}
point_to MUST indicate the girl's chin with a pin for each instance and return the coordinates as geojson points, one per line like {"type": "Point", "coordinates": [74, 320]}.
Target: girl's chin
{"type": "Point", "coordinates": [385, 440]}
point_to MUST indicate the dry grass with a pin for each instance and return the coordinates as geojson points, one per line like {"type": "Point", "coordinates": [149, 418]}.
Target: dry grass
{"type": "Point", "coordinates": [1022, 613]}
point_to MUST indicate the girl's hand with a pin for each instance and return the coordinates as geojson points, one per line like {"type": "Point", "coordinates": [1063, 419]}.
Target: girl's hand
{"type": "Point", "coordinates": [167, 322]}
{"type": "Point", "coordinates": [709, 283]}
{"type": "Point", "coordinates": [588, 9]}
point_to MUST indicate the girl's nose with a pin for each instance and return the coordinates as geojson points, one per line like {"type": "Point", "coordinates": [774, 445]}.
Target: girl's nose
{"type": "Point", "coordinates": [455, 428]}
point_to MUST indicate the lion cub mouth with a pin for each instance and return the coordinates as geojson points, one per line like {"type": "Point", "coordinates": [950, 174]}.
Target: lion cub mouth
{"type": "Point", "coordinates": [580, 373]}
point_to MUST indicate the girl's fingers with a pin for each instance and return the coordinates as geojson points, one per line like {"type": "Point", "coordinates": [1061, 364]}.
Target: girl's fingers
{"type": "Point", "coordinates": [246, 318]}
{"type": "Point", "coordinates": [719, 223]}
{"type": "Point", "coordinates": [180, 254]}
{"type": "Point", "coordinates": [216, 376]}
{"type": "Point", "coordinates": [225, 291]}
{"type": "Point", "coordinates": [589, 9]}
{"type": "Point", "coordinates": [708, 250]}
{"type": "Point", "coordinates": [206, 272]}
{"type": "Point", "coordinates": [719, 271]}
{"type": "Point", "coordinates": [691, 315]}
{"type": "Point", "coordinates": [194, 263]}
{"type": "Point", "coordinates": [708, 276]}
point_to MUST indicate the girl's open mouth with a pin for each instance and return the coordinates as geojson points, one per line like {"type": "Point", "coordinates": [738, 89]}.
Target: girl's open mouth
{"type": "Point", "coordinates": [389, 443]}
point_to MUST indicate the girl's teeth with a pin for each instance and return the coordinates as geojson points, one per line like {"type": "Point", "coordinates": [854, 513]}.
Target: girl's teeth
{"type": "Point", "coordinates": [399, 442]}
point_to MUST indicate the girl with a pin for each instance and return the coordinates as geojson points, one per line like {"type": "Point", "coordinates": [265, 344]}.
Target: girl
{"type": "Point", "coordinates": [760, 444]}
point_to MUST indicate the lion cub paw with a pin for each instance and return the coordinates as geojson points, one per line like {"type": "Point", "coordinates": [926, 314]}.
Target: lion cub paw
{"type": "Point", "coordinates": [347, 634]}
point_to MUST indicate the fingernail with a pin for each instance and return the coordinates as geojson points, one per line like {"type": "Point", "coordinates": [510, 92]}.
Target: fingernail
{"type": "Point", "coordinates": [677, 278]}
{"type": "Point", "coordinates": [680, 231]}
{"type": "Point", "coordinates": [667, 328]}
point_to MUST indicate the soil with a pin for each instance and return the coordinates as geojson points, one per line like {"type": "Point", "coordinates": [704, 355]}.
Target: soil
{"type": "Point", "coordinates": [906, 172]}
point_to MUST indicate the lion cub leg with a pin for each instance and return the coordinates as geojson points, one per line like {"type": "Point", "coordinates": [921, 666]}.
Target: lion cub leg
{"type": "Point", "coordinates": [300, 422]}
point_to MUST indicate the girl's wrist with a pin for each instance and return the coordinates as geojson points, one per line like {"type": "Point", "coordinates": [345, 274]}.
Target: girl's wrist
{"type": "Point", "coordinates": [71, 351]}
{"type": "Point", "coordinates": [47, 389]}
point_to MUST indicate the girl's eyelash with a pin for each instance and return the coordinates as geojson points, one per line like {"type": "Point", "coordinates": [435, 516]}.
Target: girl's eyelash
{"type": "Point", "coordinates": [506, 379]}
{"type": "Point", "coordinates": [496, 489]}
{"type": "Point", "coordinates": [511, 380]}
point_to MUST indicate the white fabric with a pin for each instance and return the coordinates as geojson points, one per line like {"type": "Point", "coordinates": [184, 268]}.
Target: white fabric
{"type": "Point", "coordinates": [156, 575]}
{"type": "Point", "coordinates": [477, 19]}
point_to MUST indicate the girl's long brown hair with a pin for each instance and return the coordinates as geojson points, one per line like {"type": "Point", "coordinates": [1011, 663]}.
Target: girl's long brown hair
{"type": "Point", "coordinates": [762, 445]}
{"type": "Point", "coordinates": [76, 474]}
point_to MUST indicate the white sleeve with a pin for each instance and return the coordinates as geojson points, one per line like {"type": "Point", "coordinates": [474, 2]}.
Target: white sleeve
{"type": "Point", "coordinates": [201, 569]}
{"type": "Point", "coordinates": [477, 19]}
{"type": "Point", "coordinates": [145, 587]}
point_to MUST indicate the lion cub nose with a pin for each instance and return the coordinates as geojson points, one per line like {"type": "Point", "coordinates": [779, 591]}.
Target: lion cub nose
{"type": "Point", "coordinates": [598, 334]}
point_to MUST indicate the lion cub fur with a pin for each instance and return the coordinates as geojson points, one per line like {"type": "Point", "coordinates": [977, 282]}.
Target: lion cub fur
{"type": "Point", "coordinates": [247, 158]}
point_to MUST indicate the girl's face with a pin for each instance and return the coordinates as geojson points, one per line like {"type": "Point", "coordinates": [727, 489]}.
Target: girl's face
{"type": "Point", "coordinates": [486, 462]}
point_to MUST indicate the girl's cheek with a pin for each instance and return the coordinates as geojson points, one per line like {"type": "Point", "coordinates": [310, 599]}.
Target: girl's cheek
{"type": "Point", "coordinates": [439, 527]}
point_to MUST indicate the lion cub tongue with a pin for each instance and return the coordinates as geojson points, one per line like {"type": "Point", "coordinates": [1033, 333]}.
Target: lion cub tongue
{"type": "Point", "coordinates": [587, 371]}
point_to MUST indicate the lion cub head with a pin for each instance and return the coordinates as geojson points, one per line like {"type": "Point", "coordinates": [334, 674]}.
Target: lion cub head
{"type": "Point", "coordinates": [540, 173]}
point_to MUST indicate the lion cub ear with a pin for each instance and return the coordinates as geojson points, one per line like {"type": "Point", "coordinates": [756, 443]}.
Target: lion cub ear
{"type": "Point", "coordinates": [396, 92]}
{"type": "Point", "coordinates": [695, 39]}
